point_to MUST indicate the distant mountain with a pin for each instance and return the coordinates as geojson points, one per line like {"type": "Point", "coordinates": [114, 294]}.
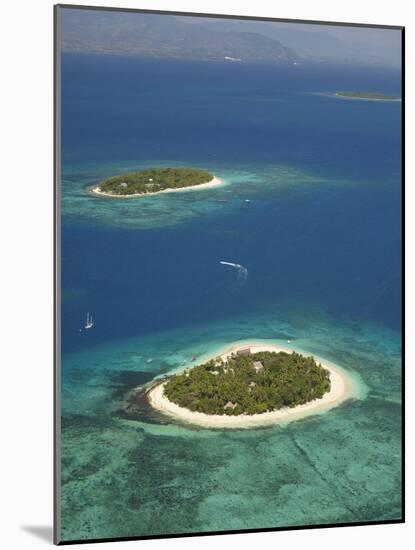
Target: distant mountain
{"type": "Point", "coordinates": [151, 35]}
{"type": "Point", "coordinates": [323, 43]}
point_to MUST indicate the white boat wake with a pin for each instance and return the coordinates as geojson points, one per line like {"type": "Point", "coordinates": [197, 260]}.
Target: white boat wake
{"type": "Point", "coordinates": [242, 271]}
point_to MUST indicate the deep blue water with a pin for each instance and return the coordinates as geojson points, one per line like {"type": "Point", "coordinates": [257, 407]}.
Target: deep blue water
{"type": "Point", "coordinates": [335, 246]}
{"type": "Point", "coordinates": [127, 108]}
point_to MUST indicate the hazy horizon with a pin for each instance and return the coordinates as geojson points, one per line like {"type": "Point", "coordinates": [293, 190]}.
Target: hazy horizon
{"type": "Point", "coordinates": [213, 38]}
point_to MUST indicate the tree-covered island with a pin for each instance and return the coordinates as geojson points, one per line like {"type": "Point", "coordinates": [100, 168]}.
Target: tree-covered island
{"type": "Point", "coordinates": [249, 383]}
{"type": "Point", "coordinates": [376, 96]}
{"type": "Point", "coordinates": [153, 181]}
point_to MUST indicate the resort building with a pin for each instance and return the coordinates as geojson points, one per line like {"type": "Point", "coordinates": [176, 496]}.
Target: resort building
{"type": "Point", "coordinates": [257, 365]}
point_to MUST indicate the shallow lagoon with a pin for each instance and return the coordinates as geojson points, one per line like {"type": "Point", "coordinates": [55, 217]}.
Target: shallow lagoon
{"type": "Point", "coordinates": [342, 466]}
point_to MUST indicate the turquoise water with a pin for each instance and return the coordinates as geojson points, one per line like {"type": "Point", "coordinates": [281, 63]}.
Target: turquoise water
{"type": "Point", "coordinates": [151, 476]}
{"type": "Point", "coordinates": [321, 241]}
{"type": "Point", "coordinates": [240, 184]}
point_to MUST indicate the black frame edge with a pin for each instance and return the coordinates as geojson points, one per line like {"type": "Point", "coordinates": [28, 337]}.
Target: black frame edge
{"type": "Point", "coordinates": [234, 532]}
{"type": "Point", "coordinates": [403, 275]}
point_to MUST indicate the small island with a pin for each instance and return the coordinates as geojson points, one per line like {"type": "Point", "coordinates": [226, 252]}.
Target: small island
{"type": "Point", "coordinates": [370, 96]}
{"type": "Point", "coordinates": [249, 383]}
{"type": "Point", "coordinates": [249, 386]}
{"type": "Point", "coordinates": [154, 181]}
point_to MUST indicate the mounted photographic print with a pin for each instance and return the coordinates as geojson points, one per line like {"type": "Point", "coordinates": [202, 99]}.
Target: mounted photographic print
{"type": "Point", "coordinates": [229, 261]}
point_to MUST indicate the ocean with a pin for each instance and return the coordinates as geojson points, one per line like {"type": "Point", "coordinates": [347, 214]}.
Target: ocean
{"type": "Point", "coordinates": [311, 207]}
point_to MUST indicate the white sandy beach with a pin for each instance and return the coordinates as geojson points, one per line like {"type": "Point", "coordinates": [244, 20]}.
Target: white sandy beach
{"type": "Point", "coordinates": [342, 388]}
{"type": "Point", "coordinates": [215, 182]}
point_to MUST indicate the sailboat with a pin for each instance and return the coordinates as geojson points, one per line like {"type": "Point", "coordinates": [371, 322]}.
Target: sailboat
{"type": "Point", "coordinates": [89, 322]}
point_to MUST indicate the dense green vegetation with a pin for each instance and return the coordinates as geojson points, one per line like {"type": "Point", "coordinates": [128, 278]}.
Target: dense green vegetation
{"type": "Point", "coordinates": [236, 387]}
{"type": "Point", "coordinates": [154, 180]}
{"type": "Point", "coordinates": [366, 95]}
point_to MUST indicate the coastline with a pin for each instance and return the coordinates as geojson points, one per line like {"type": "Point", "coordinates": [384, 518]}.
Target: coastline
{"type": "Point", "coordinates": [342, 389]}
{"type": "Point", "coordinates": [215, 182]}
